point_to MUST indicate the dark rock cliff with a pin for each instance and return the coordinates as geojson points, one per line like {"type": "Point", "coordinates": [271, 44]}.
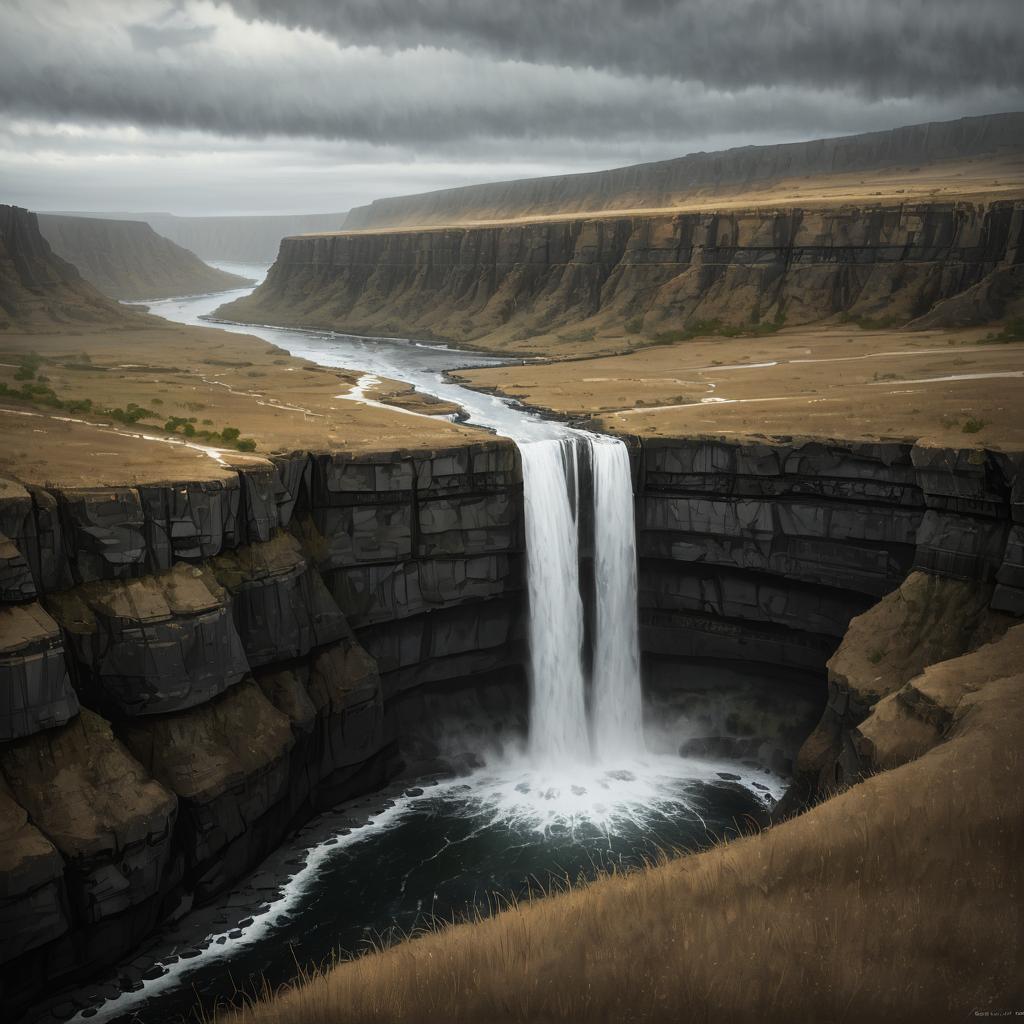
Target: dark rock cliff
{"type": "Point", "coordinates": [668, 182]}
{"type": "Point", "coordinates": [129, 260]}
{"type": "Point", "coordinates": [951, 262]}
{"type": "Point", "coordinates": [188, 670]}
{"type": "Point", "coordinates": [765, 551]}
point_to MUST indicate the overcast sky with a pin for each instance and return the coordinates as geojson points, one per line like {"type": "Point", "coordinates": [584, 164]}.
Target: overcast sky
{"type": "Point", "coordinates": [271, 106]}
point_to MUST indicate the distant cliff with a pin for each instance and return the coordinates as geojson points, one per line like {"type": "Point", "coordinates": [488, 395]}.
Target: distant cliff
{"type": "Point", "coordinates": [39, 290]}
{"type": "Point", "coordinates": [235, 239]}
{"type": "Point", "coordinates": [950, 262]}
{"type": "Point", "coordinates": [129, 260]}
{"type": "Point", "coordinates": [670, 182]}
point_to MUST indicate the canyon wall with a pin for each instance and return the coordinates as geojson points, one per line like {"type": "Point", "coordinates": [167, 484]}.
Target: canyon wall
{"type": "Point", "coordinates": [129, 260]}
{"type": "Point", "coordinates": [763, 552]}
{"type": "Point", "coordinates": [39, 291]}
{"type": "Point", "coordinates": [936, 263]}
{"type": "Point", "coordinates": [191, 668]}
{"type": "Point", "coordinates": [234, 239]}
{"type": "Point", "coordinates": [671, 182]}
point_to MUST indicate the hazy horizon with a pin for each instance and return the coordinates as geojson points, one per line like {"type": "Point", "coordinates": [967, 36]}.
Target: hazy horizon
{"type": "Point", "coordinates": [251, 107]}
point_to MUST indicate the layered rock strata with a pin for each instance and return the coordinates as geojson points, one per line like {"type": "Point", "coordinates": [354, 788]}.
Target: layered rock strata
{"type": "Point", "coordinates": [249, 650]}
{"type": "Point", "coordinates": [128, 260]}
{"type": "Point", "coordinates": [669, 182]}
{"type": "Point", "coordinates": [191, 669]}
{"type": "Point", "coordinates": [940, 263]}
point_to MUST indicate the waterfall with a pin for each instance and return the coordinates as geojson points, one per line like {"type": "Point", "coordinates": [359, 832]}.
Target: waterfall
{"type": "Point", "coordinates": [558, 722]}
{"type": "Point", "coordinates": [558, 717]}
{"type": "Point", "coordinates": [617, 710]}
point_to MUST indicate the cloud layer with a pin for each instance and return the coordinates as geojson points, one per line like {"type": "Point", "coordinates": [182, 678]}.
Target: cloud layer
{"type": "Point", "coordinates": [384, 96]}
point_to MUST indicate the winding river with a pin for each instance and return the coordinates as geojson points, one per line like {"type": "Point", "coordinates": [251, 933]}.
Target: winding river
{"type": "Point", "coordinates": [597, 782]}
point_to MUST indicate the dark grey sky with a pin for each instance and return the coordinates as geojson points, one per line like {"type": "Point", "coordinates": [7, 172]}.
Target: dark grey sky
{"type": "Point", "coordinates": [317, 105]}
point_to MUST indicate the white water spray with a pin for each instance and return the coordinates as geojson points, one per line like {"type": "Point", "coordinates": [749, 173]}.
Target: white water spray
{"type": "Point", "coordinates": [558, 722]}
{"type": "Point", "coordinates": [617, 695]}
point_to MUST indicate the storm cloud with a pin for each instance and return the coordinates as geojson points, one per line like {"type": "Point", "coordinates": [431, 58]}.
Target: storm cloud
{"type": "Point", "coordinates": [273, 105]}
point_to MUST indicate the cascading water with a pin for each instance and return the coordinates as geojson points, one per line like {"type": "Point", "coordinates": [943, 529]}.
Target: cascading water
{"type": "Point", "coordinates": [558, 723]}
{"type": "Point", "coordinates": [617, 700]}
{"type": "Point", "coordinates": [581, 795]}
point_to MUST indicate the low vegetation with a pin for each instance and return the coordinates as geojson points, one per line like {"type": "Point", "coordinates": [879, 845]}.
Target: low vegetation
{"type": "Point", "coordinates": [35, 389]}
{"type": "Point", "coordinates": [1013, 330]}
{"type": "Point", "coordinates": [716, 328]}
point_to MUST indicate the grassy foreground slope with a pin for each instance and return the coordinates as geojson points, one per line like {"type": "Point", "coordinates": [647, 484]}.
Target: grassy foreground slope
{"type": "Point", "coordinates": [896, 900]}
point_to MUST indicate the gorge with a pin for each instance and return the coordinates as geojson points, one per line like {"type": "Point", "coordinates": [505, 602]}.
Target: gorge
{"type": "Point", "coordinates": [753, 557]}
{"type": "Point", "coordinates": [310, 639]}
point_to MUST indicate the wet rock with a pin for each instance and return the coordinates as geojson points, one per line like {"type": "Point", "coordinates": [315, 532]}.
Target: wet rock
{"type": "Point", "coordinates": [35, 690]}
{"type": "Point", "coordinates": [152, 645]}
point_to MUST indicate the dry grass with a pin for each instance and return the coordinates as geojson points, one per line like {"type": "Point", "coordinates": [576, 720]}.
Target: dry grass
{"type": "Point", "coordinates": [897, 900]}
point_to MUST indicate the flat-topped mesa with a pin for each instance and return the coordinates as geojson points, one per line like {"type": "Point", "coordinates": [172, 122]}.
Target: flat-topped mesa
{"type": "Point", "coordinates": [503, 285]}
{"type": "Point", "coordinates": [672, 182]}
{"type": "Point", "coordinates": [39, 291]}
{"type": "Point", "coordinates": [129, 260]}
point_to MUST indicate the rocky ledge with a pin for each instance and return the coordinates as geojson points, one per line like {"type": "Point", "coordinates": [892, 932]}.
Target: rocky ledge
{"type": "Point", "coordinates": [934, 264]}
{"type": "Point", "coordinates": [191, 669]}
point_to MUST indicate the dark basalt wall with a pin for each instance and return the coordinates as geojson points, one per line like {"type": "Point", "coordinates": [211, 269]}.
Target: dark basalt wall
{"type": "Point", "coordinates": [190, 669]}
{"type": "Point", "coordinates": [944, 262]}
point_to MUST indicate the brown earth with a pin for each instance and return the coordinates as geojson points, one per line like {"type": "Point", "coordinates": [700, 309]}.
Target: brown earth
{"type": "Point", "coordinates": [215, 378]}
{"type": "Point", "coordinates": [830, 382]}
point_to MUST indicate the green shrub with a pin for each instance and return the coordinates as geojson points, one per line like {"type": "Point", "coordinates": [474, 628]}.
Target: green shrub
{"type": "Point", "coordinates": [230, 434]}
{"type": "Point", "coordinates": [973, 424]}
{"type": "Point", "coordinates": [635, 325]}
{"type": "Point", "coordinates": [246, 444]}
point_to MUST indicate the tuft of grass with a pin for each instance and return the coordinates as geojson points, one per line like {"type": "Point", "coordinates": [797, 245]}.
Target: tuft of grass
{"type": "Point", "coordinates": [973, 424]}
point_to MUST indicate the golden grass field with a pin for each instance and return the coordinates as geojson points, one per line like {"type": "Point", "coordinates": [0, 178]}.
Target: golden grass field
{"type": "Point", "coordinates": [897, 900]}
